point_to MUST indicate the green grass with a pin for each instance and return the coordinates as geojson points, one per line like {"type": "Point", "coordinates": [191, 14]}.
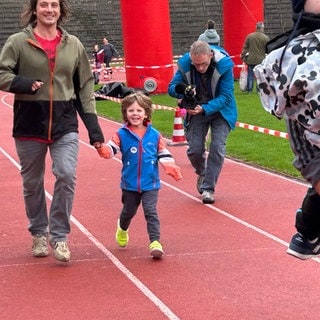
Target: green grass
{"type": "Point", "coordinates": [256, 148]}
{"type": "Point", "coordinates": [266, 151]}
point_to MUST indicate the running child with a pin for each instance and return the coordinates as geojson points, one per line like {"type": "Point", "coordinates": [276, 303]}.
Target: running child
{"type": "Point", "coordinates": [142, 148]}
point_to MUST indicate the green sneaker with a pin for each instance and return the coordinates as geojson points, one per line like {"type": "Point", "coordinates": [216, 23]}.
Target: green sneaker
{"type": "Point", "coordinates": [156, 250]}
{"type": "Point", "coordinates": [122, 236]}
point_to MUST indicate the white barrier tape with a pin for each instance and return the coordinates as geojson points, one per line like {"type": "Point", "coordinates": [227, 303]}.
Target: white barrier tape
{"type": "Point", "coordinates": [155, 106]}
{"type": "Point", "coordinates": [102, 96]}
{"type": "Point", "coordinates": [271, 132]}
{"type": "Point", "coordinates": [150, 67]}
{"type": "Point", "coordinates": [262, 130]}
{"type": "Point", "coordinates": [108, 69]}
{"type": "Point", "coordinates": [117, 59]}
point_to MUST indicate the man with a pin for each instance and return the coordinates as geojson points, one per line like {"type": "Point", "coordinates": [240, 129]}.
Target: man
{"type": "Point", "coordinates": [288, 80]}
{"type": "Point", "coordinates": [209, 70]}
{"type": "Point", "coordinates": [109, 52]}
{"type": "Point", "coordinates": [210, 35]}
{"type": "Point", "coordinates": [254, 51]}
{"type": "Point", "coordinates": [48, 71]}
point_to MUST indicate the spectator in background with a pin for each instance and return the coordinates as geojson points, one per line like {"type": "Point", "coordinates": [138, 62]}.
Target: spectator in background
{"type": "Point", "coordinates": [98, 56]}
{"type": "Point", "coordinates": [109, 52]}
{"type": "Point", "coordinates": [98, 61]}
{"type": "Point", "coordinates": [210, 35]}
{"type": "Point", "coordinates": [254, 51]}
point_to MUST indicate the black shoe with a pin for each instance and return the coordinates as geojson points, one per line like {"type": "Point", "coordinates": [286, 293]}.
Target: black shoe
{"type": "Point", "coordinates": [207, 197]}
{"type": "Point", "coordinates": [199, 183]}
{"type": "Point", "coordinates": [302, 248]}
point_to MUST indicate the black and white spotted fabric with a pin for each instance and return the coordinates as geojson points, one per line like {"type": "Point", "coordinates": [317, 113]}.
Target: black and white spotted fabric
{"type": "Point", "coordinates": [295, 91]}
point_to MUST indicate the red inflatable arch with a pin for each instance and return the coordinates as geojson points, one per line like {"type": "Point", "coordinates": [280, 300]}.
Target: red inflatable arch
{"type": "Point", "coordinates": [147, 38]}
{"type": "Point", "coordinates": [239, 19]}
{"type": "Point", "coordinates": [147, 44]}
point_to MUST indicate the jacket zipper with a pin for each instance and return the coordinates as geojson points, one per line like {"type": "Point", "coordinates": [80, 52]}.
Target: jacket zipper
{"type": "Point", "coordinates": [51, 105]}
{"type": "Point", "coordinates": [139, 165]}
{"type": "Point", "coordinates": [50, 88]}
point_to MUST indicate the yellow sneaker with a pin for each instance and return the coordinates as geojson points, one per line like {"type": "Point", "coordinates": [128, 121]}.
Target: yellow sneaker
{"type": "Point", "coordinates": [156, 250]}
{"type": "Point", "coordinates": [122, 236]}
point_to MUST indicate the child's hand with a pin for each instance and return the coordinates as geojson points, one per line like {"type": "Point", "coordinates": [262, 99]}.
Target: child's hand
{"type": "Point", "coordinates": [104, 151]}
{"type": "Point", "coordinates": [172, 170]}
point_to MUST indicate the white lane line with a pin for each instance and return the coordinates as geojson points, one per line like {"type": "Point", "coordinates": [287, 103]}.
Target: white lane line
{"type": "Point", "coordinates": [139, 284]}
{"type": "Point", "coordinates": [4, 102]}
{"type": "Point", "coordinates": [228, 215]}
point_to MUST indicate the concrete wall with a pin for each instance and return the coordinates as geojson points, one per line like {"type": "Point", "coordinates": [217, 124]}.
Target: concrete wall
{"type": "Point", "coordinates": [93, 20]}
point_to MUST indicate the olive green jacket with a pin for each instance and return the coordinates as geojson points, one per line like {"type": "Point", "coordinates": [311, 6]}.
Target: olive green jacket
{"type": "Point", "coordinates": [254, 48]}
{"type": "Point", "coordinates": [51, 111]}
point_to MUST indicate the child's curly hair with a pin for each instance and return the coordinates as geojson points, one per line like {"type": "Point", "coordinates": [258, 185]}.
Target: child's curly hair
{"type": "Point", "coordinates": [143, 100]}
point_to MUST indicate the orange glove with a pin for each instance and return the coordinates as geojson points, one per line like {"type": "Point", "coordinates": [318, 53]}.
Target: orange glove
{"type": "Point", "coordinates": [172, 170]}
{"type": "Point", "coordinates": [105, 151]}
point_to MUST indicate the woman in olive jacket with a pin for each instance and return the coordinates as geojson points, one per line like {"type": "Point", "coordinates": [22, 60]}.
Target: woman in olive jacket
{"type": "Point", "coordinates": [48, 71]}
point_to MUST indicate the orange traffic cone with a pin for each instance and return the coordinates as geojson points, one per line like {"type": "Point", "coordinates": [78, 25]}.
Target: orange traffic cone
{"type": "Point", "coordinates": [178, 137]}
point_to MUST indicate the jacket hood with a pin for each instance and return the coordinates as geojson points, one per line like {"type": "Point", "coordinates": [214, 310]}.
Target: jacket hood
{"type": "Point", "coordinates": [211, 36]}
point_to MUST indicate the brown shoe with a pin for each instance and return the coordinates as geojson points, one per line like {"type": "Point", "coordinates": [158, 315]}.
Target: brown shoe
{"type": "Point", "coordinates": [61, 251]}
{"type": "Point", "coordinates": [40, 245]}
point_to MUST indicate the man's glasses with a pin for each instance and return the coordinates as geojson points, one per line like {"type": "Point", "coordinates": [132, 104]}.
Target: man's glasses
{"type": "Point", "coordinates": [201, 65]}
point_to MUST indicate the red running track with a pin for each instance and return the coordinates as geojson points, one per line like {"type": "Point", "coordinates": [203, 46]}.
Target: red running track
{"type": "Point", "coordinates": [222, 261]}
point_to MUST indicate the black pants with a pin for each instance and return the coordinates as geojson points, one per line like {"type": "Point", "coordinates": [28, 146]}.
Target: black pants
{"type": "Point", "coordinates": [131, 201]}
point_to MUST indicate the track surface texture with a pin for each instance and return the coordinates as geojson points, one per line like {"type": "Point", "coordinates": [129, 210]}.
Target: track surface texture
{"type": "Point", "coordinates": [223, 261]}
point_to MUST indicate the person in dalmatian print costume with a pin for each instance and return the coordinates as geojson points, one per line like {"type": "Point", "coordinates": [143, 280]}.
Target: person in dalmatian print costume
{"type": "Point", "coordinates": [289, 87]}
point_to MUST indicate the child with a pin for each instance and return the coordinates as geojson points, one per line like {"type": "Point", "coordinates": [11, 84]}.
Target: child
{"type": "Point", "coordinates": [142, 147]}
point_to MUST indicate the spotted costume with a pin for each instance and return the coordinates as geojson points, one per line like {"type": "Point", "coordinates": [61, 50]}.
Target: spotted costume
{"type": "Point", "coordinates": [293, 91]}
{"type": "Point", "coordinates": [289, 87]}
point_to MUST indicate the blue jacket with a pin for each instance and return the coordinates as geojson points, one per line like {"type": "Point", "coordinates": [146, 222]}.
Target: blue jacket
{"type": "Point", "coordinates": [140, 171]}
{"type": "Point", "coordinates": [221, 84]}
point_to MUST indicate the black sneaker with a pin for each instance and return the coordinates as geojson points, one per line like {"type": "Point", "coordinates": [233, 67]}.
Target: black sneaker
{"type": "Point", "coordinates": [302, 248]}
{"type": "Point", "coordinates": [207, 197]}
